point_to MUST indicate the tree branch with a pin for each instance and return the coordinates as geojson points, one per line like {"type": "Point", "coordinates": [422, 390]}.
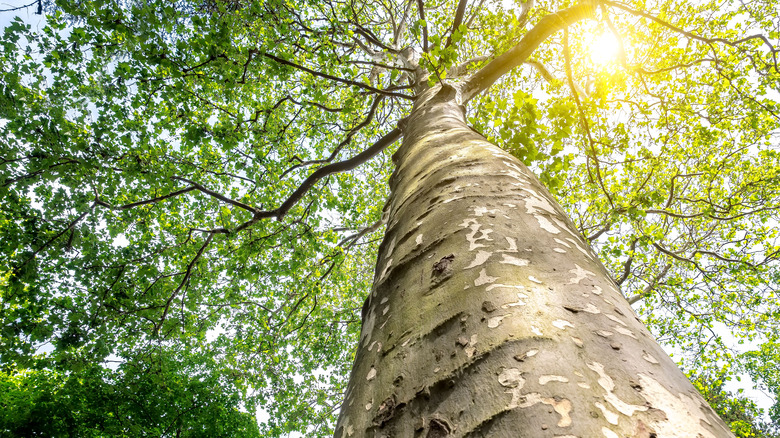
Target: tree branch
{"type": "Point", "coordinates": [459, 11]}
{"type": "Point", "coordinates": [330, 169]}
{"type": "Point", "coordinates": [476, 13]}
{"type": "Point", "coordinates": [50, 241]}
{"type": "Point", "coordinates": [541, 69]}
{"type": "Point", "coordinates": [525, 9]}
{"type": "Point", "coordinates": [24, 6]}
{"type": "Point", "coordinates": [598, 233]}
{"type": "Point", "coordinates": [693, 36]}
{"type": "Point", "coordinates": [148, 201]}
{"type": "Point", "coordinates": [456, 71]}
{"type": "Point", "coordinates": [350, 240]}
{"type": "Point", "coordinates": [214, 194]}
{"type": "Point", "coordinates": [421, 9]}
{"type": "Point", "coordinates": [306, 185]}
{"type": "Point", "coordinates": [627, 264]}
{"type": "Point", "coordinates": [650, 286]}
{"type": "Point", "coordinates": [337, 79]}
{"type": "Point", "coordinates": [548, 25]}
{"type": "Point", "coordinates": [401, 27]}
{"type": "Point", "coordinates": [187, 275]}
{"type": "Point", "coordinates": [318, 105]}
{"type": "Point", "coordinates": [371, 38]}
{"type": "Point", "coordinates": [346, 141]}
{"type": "Point", "coordinates": [547, 76]}
{"type": "Point", "coordinates": [583, 118]}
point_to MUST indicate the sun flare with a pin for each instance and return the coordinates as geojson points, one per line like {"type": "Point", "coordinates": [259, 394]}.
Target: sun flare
{"type": "Point", "coordinates": [604, 48]}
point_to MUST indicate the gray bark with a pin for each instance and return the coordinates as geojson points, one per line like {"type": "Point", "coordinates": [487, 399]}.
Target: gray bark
{"type": "Point", "coordinates": [490, 315]}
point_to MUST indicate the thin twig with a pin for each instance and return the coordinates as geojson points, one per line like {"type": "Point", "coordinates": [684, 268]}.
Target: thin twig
{"type": "Point", "coordinates": [583, 118]}
{"type": "Point", "coordinates": [338, 79]}
{"type": "Point", "coordinates": [148, 201]}
{"type": "Point", "coordinates": [22, 7]}
{"type": "Point", "coordinates": [216, 195]}
{"type": "Point", "coordinates": [50, 241]}
{"type": "Point", "coordinates": [187, 275]}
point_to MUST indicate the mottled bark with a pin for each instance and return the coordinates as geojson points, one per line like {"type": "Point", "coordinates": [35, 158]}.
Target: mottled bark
{"type": "Point", "coordinates": [491, 316]}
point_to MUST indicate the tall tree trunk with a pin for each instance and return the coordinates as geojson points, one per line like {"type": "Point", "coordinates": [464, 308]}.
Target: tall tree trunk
{"type": "Point", "coordinates": [491, 316]}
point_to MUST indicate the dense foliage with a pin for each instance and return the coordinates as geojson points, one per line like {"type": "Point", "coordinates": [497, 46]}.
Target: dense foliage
{"type": "Point", "coordinates": [190, 204]}
{"type": "Point", "coordinates": [740, 413]}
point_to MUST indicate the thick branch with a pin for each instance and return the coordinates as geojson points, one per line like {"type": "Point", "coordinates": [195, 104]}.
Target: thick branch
{"type": "Point", "coordinates": [526, 8]}
{"type": "Point", "coordinates": [461, 68]}
{"type": "Point", "coordinates": [308, 183]}
{"type": "Point", "coordinates": [542, 70]}
{"type": "Point", "coordinates": [421, 9]}
{"type": "Point", "coordinates": [548, 25]}
{"type": "Point", "coordinates": [476, 12]}
{"type": "Point", "coordinates": [583, 118]}
{"type": "Point", "coordinates": [461, 9]}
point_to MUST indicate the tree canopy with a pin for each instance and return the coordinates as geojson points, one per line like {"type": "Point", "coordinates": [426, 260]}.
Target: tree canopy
{"type": "Point", "coordinates": [192, 191]}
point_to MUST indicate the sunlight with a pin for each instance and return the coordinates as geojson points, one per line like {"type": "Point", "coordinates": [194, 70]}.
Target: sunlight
{"type": "Point", "coordinates": [604, 48]}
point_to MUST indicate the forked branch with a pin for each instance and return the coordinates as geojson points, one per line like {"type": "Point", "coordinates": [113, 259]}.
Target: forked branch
{"type": "Point", "coordinates": [147, 201]}
{"type": "Point", "coordinates": [216, 195]}
{"type": "Point", "coordinates": [352, 132]}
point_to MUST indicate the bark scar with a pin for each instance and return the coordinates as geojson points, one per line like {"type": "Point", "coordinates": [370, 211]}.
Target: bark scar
{"type": "Point", "coordinates": [386, 411]}
{"type": "Point", "coordinates": [442, 270]}
{"type": "Point", "coordinates": [438, 428]}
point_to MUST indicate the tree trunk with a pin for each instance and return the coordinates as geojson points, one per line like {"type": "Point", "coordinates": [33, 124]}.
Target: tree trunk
{"type": "Point", "coordinates": [491, 316]}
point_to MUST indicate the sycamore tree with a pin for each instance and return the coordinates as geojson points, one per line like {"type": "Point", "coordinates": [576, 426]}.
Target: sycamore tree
{"type": "Point", "coordinates": [193, 193]}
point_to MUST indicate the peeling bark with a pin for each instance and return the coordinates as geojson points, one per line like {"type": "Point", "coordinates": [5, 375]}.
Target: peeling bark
{"type": "Point", "coordinates": [490, 314]}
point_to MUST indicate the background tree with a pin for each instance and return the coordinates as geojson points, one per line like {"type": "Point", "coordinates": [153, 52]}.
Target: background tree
{"type": "Point", "coordinates": [742, 414]}
{"type": "Point", "coordinates": [174, 180]}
